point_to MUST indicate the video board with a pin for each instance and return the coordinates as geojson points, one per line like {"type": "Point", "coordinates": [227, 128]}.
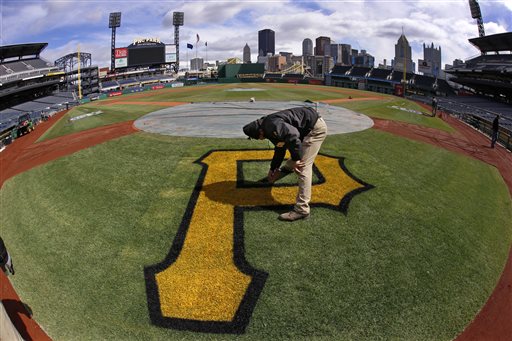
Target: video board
{"type": "Point", "coordinates": [148, 54]}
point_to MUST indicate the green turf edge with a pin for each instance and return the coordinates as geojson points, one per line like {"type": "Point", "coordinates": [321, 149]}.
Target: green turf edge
{"type": "Point", "coordinates": [403, 266]}
{"type": "Point", "coordinates": [114, 113]}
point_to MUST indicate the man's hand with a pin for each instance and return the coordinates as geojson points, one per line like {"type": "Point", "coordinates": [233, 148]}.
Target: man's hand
{"type": "Point", "coordinates": [272, 175]}
{"type": "Point", "coordinates": [299, 165]}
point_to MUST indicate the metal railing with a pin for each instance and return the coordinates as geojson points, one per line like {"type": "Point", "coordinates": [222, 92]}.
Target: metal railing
{"type": "Point", "coordinates": [481, 124]}
{"type": "Point", "coordinates": [484, 126]}
{"type": "Point", "coordinates": [25, 74]}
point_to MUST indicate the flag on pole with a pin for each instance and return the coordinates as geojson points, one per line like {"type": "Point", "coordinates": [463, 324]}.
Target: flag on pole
{"type": "Point", "coordinates": [197, 35]}
{"type": "Point", "coordinates": [205, 43]}
{"type": "Point", "coordinates": [190, 46]}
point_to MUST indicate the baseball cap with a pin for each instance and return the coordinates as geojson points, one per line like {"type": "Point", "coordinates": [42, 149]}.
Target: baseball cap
{"type": "Point", "coordinates": [253, 129]}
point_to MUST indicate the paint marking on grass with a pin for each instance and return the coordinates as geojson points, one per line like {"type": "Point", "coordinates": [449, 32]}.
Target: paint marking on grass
{"type": "Point", "coordinates": [164, 104]}
{"type": "Point", "coordinates": [205, 283]}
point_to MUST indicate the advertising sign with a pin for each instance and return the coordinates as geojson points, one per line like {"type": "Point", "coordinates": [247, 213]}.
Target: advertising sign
{"type": "Point", "coordinates": [121, 52]}
{"type": "Point", "coordinates": [103, 71]}
{"type": "Point", "coordinates": [170, 53]}
{"type": "Point", "coordinates": [424, 66]}
{"type": "Point", "coordinates": [121, 62]}
{"type": "Point", "coordinates": [121, 59]}
{"type": "Point", "coordinates": [399, 90]}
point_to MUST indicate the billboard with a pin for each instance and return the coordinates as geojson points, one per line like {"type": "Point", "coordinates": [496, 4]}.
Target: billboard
{"type": "Point", "coordinates": [424, 66]}
{"type": "Point", "coordinates": [170, 53]}
{"type": "Point", "coordinates": [399, 90]}
{"type": "Point", "coordinates": [121, 57]}
{"type": "Point", "coordinates": [103, 71]}
{"type": "Point", "coordinates": [121, 62]}
{"type": "Point", "coordinates": [121, 52]}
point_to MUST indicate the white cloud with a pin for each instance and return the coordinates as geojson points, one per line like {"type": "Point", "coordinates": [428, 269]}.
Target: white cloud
{"type": "Point", "coordinates": [508, 4]}
{"type": "Point", "coordinates": [228, 25]}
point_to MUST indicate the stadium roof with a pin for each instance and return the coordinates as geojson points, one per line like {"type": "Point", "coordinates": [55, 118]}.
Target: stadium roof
{"type": "Point", "coordinates": [11, 51]}
{"type": "Point", "coordinates": [493, 43]}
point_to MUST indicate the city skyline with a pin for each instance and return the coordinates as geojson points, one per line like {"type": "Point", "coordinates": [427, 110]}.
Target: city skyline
{"type": "Point", "coordinates": [227, 26]}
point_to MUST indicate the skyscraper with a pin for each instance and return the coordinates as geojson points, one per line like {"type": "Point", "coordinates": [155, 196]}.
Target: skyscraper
{"type": "Point", "coordinates": [430, 65]}
{"type": "Point", "coordinates": [364, 59]}
{"type": "Point", "coordinates": [403, 57]}
{"type": "Point", "coordinates": [247, 54]}
{"type": "Point", "coordinates": [323, 46]}
{"type": "Point", "coordinates": [346, 54]}
{"type": "Point", "coordinates": [336, 53]}
{"type": "Point", "coordinates": [196, 63]}
{"type": "Point", "coordinates": [307, 47]}
{"type": "Point", "coordinates": [266, 42]}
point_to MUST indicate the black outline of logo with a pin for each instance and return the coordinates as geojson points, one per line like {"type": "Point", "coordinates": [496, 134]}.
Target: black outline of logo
{"type": "Point", "coordinates": [244, 312]}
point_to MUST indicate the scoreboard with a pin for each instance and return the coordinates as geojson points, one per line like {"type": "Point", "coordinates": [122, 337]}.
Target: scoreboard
{"type": "Point", "coordinates": [146, 55]}
{"type": "Point", "coordinates": [145, 52]}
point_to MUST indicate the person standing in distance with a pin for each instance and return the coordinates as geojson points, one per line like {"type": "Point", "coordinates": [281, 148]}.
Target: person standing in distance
{"type": "Point", "coordinates": [495, 128]}
{"type": "Point", "coordinates": [301, 131]}
{"type": "Point", "coordinates": [434, 106]}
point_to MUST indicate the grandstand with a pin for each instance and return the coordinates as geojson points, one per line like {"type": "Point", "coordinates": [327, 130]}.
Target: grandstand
{"type": "Point", "coordinates": [398, 76]}
{"type": "Point", "coordinates": [423, 82]}
{"type": "Point", "coordinates": [379, 74]}
{"type": "Point", "coordinates": [29, 84]}
{"type": "Point", "coordinates": [133, 79]}
{"type": "Point", "coordinates": [358, 71]}
{"type": "Point", "coordinates": [136, 77]}
{"type": "Point", "coordinates": [487, 85]}
{"type": "Point", "coordinates": [386, 80]}
{"type": "Point", "coordinates": [88, 73]}
{"type": "Point", "coordinates": [478, 106]}
{"type": "Point", "coordinates": [340, 70]}
{"type": "Point", "coordinates": [489, 74]}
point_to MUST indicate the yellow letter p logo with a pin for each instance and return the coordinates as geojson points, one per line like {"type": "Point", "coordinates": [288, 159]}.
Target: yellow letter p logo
{"type": "Point", "coordinates": [204, 283]}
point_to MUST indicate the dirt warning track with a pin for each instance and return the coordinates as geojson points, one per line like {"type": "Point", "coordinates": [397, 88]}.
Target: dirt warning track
{"type": "Point", "coordinates": [25, 154]}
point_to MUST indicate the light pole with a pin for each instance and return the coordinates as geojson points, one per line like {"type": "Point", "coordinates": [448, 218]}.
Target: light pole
{"type": "Point", "coordinates": [177, 21]}
{"type": "Point", "coordinates": [113, 22]}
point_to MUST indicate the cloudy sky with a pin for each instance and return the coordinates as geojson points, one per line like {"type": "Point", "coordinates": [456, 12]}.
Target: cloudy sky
{"type": "Point", "coordinates": [373, 25]}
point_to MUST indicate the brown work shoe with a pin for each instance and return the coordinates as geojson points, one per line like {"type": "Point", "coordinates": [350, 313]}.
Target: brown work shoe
{"type": "Point", "coordinates": [292, 216]}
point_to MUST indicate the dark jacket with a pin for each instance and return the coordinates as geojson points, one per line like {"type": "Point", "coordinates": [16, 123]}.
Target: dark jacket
{"type": "Point", "coordinates": [495, 124]}
{"type": "Point", "coordinates": [286, 129]}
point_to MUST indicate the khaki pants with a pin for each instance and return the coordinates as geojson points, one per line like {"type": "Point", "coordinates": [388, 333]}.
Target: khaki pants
{"type": "Point", "coordinates": [310, 147]}
{"type": "Point", "coordinates": [7, 330]}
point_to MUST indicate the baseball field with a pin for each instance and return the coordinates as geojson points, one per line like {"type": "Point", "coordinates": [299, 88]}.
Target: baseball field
{"type": "Point", "coordinates": [152, 237]}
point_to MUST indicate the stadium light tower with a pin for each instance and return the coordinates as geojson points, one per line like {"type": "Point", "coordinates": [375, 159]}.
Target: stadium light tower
{"type": "Point", "coordinates": [477, 14]}
{"type": "Point", "coordinates": [177, 21]}
{"type": "Point", "coordinates": [113, 22]}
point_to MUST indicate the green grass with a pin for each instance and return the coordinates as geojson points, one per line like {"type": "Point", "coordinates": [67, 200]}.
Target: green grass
{"type": "Point", "coordinates": [115, 113]}
{"type": "Point", "coordinates": [414, 259]}
{"type": "Point", "coordinates": [267, 92]}
{"type": "Point", "coordinates": [384, 109]}
{"type": "Point", "coordinates": [109, 115]}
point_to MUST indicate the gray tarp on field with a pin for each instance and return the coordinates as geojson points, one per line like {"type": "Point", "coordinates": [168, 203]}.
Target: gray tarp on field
{"type": "Point", "coordinates": [226, 119]}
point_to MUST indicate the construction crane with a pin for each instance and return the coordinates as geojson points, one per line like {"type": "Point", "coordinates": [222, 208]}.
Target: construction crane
{"type": "Point", "coordinates": [477, 14]}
